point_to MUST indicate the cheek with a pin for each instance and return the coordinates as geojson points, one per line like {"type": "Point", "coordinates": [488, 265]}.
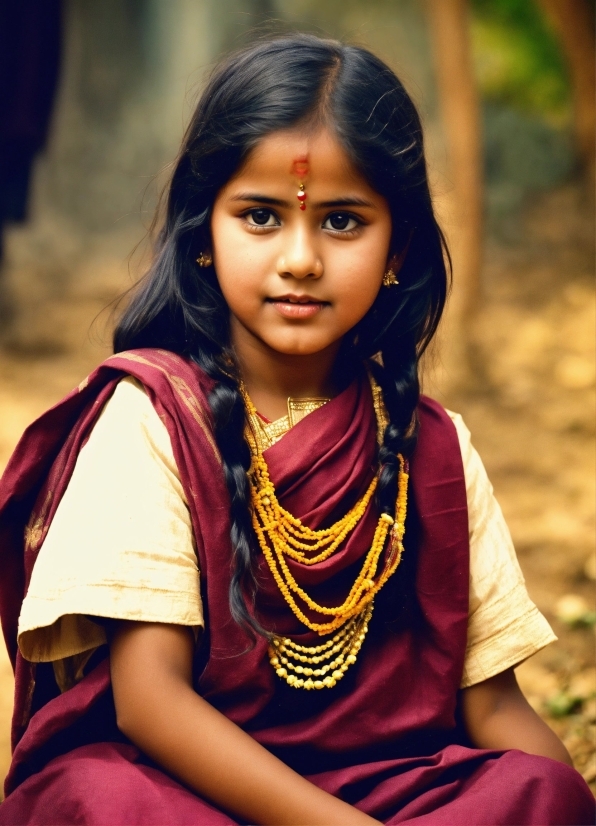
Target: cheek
{"type": "Point", "coordinates": [226, 251]}
{"type": "Point", "coordinates": [241, 280]}
{"type": "Point", "coordinates": [359, 278]}
{"type": "Point", "coordinates": [358, 294]}
{"type": "Point", "coordinates": [238, 265]}
{"type": "Point", "coordinates": [364, 259]}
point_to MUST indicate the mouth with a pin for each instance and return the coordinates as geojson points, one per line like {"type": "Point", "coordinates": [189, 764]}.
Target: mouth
{"type": "Point", "coordinates": [297, 306]}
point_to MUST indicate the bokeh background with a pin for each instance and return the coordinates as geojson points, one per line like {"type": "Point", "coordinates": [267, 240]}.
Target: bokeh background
{"type": "Point", "coordinates": [94, 97]}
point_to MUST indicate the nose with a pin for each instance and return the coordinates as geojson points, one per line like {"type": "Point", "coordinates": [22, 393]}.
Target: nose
{"type": "Point", "coordinates": [299, 258]}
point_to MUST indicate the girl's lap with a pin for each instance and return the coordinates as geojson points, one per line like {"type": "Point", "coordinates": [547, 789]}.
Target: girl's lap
{"type": "Point", "coordinates": [508, 788]}
{"type": "Point", "coordinates": [107, 783]}
{"type": "Point", "coordinates": [464, 786]}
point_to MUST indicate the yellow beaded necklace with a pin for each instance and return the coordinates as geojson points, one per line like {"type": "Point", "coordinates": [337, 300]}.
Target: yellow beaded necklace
{"type": "Point", "coordinates": [280, 535]}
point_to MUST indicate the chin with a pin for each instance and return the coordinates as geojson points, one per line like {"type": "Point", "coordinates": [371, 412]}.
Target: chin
{"type": "Point", "coordinates": [300, 348]}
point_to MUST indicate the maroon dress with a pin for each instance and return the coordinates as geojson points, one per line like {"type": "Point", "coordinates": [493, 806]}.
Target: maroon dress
{"type": "Point", "coordinates": [387, 739]}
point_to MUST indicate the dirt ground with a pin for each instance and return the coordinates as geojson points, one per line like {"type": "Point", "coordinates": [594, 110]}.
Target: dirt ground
{"type": "Point", "coordinates": [530, 407]}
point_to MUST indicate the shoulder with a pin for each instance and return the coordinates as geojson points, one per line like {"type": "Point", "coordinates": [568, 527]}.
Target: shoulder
{"type": "Point", "coordinates": [436, 420]}
{"type": "Point", "coordinates": [432, 414]}
{"type": "Point", "coordinates": [129, 411]}
{"type": "Point", "coordinates": [437, 445]}
{"type": "Point", "coordinates": [158, 369]}
{"type": "Point", "coordinates": [477, 483]}
{"type": "Point", "coordinates": [130, 436]}
{"type": "Point", "coordinates": [464, 436]}
{"type": "Point", "coordinates": [177, 387]}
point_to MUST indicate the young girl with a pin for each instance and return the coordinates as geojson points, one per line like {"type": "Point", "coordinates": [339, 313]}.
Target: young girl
{"type": "Point", "coordinates": [266, 581]}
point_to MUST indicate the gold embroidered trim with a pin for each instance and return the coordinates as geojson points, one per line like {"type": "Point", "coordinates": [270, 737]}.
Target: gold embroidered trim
{"type": "Point", "coordinates": [26, 715]}
{"type": "Point", "coordinates": [36, 528]}
{"type": "Point", "coordinates": [184, 392]}
{"type": "Point", "coordinates": [380, 409]}
{"type": "Point", "coordinates": [298, 409]}
{"type": "Point", "coordinates": [271, 432]}
{"type": "Point", "coordinates": [268, 433]}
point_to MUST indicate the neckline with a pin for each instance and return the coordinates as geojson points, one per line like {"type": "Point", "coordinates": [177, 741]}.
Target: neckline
{"type": "Point", "coordinates": [270, 432]}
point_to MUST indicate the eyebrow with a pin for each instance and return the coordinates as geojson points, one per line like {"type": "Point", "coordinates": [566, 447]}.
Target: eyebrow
{"type": "Point", "coordinates": [338, 202]}
{"type": "Point", "coordinates": [345, 202]}
{"type": "Point", "coordinates": [262, 199]}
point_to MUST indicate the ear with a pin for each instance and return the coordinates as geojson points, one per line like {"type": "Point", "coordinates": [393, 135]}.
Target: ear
{"type": "Point", "coordinates": [396, 261]}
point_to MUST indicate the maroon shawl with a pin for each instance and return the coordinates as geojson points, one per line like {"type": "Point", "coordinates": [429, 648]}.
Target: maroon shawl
{"type": "Point", "coordinates": [386, 738]}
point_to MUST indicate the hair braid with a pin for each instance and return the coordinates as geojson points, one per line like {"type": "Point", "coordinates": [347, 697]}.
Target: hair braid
{"type": "Point", "coordinates": [400, 385]}
{"type": "Point", "coordinates": [227, 407]}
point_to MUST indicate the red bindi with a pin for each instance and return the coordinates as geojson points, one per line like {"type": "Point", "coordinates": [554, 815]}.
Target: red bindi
{"type": "Point", "coordinates": [300, 166]}
{"type": "Point", "coordinates": [300, 170]}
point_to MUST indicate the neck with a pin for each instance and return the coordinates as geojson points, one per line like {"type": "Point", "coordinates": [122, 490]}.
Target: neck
{"type": "Point", "coordinates": [271, 377]}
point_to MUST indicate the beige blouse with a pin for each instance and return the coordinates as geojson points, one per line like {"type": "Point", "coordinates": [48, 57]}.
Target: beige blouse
{"type": "Point", "coordinates": [121, 546]}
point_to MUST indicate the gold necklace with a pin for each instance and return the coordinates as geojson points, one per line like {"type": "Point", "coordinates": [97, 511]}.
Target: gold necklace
{"type": "Point", "coordinates": [281, 534]}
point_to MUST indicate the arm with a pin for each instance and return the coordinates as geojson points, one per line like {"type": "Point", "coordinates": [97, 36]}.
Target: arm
{"type": "Point", "coordinates": [498, 716]}
{"type": "Point", "coordinates": [160, 712]}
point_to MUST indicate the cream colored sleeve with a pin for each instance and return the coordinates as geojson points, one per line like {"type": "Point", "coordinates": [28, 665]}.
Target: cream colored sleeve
{"type": "Point", "coordinates": [120, 544]}
{"type": "Point", "coordinates": [504, 625]}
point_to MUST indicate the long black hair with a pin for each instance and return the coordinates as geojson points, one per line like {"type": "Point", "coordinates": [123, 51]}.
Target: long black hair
{"type": "Point", "coordinates": [272, 85]}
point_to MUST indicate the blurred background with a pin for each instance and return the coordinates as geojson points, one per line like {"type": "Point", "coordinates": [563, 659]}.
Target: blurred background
{"type": "Point", "coordinates": [94, 98]}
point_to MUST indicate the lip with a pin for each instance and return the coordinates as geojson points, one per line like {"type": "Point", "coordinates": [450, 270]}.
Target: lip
{"type": "Point", "coordinates": [297, 306]}
{"type": "Point", "coordinates": [294, 298]}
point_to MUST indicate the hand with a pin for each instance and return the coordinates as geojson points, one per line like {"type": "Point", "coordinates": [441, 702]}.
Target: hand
{"type": "Point", "coordinates": [158, 709]}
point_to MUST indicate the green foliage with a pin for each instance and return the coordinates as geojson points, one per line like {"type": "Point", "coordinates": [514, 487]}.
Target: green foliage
{"type": "Point", "coordinates": [518, 60]}
{"type": "Point", "coordinates": [563, 704]}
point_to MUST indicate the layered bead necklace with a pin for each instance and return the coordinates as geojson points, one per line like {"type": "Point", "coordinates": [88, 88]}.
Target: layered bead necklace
{"type": "Point", "coordinates": [281, 535]}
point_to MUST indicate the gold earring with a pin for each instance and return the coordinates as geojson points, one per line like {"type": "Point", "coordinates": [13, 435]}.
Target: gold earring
{"type": "Point", "coordinates": [390, 278]}
{"type": "Point", "coordinates": [204, 260]}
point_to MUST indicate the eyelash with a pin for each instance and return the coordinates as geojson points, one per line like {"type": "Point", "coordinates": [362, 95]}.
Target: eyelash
{"type": "Point", "coordinates": [258, 228]}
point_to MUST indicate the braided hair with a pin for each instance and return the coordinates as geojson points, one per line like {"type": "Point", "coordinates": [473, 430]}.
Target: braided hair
{"type": "Point", "coordinates": [277, 84]}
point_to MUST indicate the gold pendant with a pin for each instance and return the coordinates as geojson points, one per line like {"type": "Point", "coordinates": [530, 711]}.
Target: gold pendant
{"type": "Point", "coordinates": [298, 409]}
{"type": "Point", "coordinates": [268, 433]}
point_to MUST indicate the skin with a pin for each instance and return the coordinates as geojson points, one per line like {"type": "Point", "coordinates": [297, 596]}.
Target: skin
{"type": "Point", "coordinates": [266, 248]}
{"type": "Point", "coordinates": [299, 253]}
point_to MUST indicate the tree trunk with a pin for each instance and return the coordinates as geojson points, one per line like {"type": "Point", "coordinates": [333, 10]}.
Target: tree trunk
{"type": "Point", "coordinates": [573, 21]}
{"type": "Point", "coordinates": [463, 205]}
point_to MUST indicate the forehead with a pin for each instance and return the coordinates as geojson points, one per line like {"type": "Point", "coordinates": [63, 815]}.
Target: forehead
{"type": "Point", "coordinates": [294, 154]}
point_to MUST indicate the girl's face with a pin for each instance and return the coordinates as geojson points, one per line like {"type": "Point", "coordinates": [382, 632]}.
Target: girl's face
{"type": "Point", "coordinates": [297, 280]}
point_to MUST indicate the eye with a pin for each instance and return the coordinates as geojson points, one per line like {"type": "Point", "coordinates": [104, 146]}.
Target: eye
{"type": "Point", "coordinates": [341, 222]}
{"type": "Point", "coordinates": [261, 218]}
